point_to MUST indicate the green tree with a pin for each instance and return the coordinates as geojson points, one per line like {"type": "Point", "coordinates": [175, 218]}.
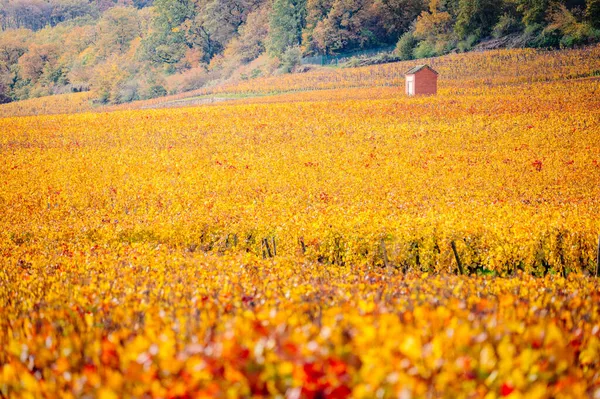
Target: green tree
{"type": "Point", "coordinates": [399, 14]}
{"type": "Point", "coordinates": [287, 20]}
{"type": "Point", "coordinates": [405, 46]}
{"type": "Point", "coordinates": [168, 43]}
{"type": "Point", "coordinates": [533, 11]}
{"type": "Point", "coordinates": [476, 17]}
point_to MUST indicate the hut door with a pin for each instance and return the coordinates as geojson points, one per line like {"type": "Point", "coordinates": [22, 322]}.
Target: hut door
{"type": "Point", "coordinates": [411, 88]}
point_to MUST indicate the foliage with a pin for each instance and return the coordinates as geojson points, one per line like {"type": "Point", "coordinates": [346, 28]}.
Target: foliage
{"type": "Point", "coordinates": [188, 325]}
{"type": "Point", "coordinates": [300, 245]}
{"type": "Point", "coordinates": [533, 11]}
{"type": "Point", "coordinates": [573, 31]}
{"type": "Point", "coordinates": [507, 24]}
{"type": "Point", "coordinates": [467, 43]}
{"type": "Point", "coordinates": [459, 137]}
{"type": "Point", "coordinates": [191, 44]}
{"type": "Point", "coordinates": [405, 46]}
{"type": "Point", "coordinates": [291, 59]}
{"type": "Point", "coordinates": [424, 50]}
{"type": "Point", "coordinates": [253, 37]}
{"type": "Point", "coordinates": [398, 15]}
{"type": "Point", "coordinates": [476, 17]}
{"type": "Point", "coordinates": [286, 22]}
{"type": "Point", "coordinates": [592, 13]}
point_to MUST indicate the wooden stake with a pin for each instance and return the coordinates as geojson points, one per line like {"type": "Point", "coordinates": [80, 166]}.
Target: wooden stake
{"type": "Point", "coordinates": [460, 267]}
{"type": "Point", "coordinates": [274, 247]}
{"type": "Point", "coordinates": [269, 252]}
{"type": "Point", "coordinates": [302, 245]}
{"type": "Point", "coordinates": [384, 254]}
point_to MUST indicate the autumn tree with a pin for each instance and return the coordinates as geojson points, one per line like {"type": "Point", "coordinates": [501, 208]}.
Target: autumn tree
{"type": "Point", "coordinates": [37, 58]}
{"type": "Point", "coordinates": [117, 28]}
{"type": "Point", "coordinates": [434, 24]}
{"type": "Point", "coordinates": [253, 35]}
{"type": "Point", "coordinates": [346, 26]}
{"type": "Point", "coordinates": [12, 46]}
{"type": "Point", "coordinates": [64, 10]}
{"type": "Point", "coordinates": [224, 18]}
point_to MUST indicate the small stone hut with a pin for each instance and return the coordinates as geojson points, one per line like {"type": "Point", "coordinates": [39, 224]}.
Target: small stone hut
{"type": "Point", "coordinates": [421, 79]}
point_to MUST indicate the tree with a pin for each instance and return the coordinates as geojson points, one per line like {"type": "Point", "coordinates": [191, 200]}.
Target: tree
{"type": "Point", "coordinates": [405, 46]}
{"type": "Point", "coordinates": [64, 10]}
{"type": "Point", "coordinates": [433, 25]}
{"type": "Point", "coordinates": [37, 58]}
{"type": "Point", "coordinates": [142, 3]}
{"type": "Point", "coordinates": [223, 19]}
{"type": "Point", "coordinates": [201, 36]}
{"type": "Point", "coordinates": [117, 28]}
{"type": "Point", "coordinates": [592, 13]}
{"type": "Point", "coordinates": [399, 14]}
{"type": "Point", "coordinates": [288, 19]}
{"type": "Point", "coordinates": [346, 26]}
{"type": "Point", "coordinates": [12, 46]}
{"type": "Point", "coordinates": [168, 42]}
{"type": "Point", "coordinates": [252, 36]}
{"type": "Point", "coordinates": [476, 17]}
{"type": "Point", "coordinates": [37, 14]}
{"type": "Point", "coordinates": [534, 11]}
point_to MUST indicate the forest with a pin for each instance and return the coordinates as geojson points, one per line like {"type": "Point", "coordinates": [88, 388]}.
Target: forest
{"type": "Point", "coordinates": [128, 50]}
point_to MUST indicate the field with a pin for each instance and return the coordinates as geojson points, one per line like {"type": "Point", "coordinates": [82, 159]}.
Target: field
{"type": "Point", "coordinates": [299, 244]}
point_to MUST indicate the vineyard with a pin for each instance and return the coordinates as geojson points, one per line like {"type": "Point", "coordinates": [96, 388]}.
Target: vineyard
{"type": "Point", "coordinates": [307, 243]}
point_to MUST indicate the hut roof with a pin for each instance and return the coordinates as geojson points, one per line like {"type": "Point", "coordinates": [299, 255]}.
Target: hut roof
{"type": "Point", "coordinates": [417, 68]}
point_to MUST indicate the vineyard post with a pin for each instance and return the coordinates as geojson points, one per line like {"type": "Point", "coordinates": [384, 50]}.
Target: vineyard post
{"type": "Point", "coordinates": [268, 247]}
{"type": "Point", "coordinates": [460, 267]}
{"type": "Point", "coordinates": [386, 263]}
{"type": "Point", "coordinates": [302, 245]}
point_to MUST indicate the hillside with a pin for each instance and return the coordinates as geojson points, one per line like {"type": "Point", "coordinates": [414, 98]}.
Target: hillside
{"type": "Point", "coordinates": [135, 50]}
{"type": "Point", "coordinates": [459, 73]}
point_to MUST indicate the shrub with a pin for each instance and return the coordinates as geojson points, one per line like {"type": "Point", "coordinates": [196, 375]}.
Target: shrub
{"type": "Point", "coordinates": [424, 50]}
{"type": "Point", "coordinates": [467, 44]}
{"type": "Point", "coordinates": [506, 24]}
{"type": "Point", "coordinates": [405, 46]}
{"type": "Point", "coordinates": [548, 38]}
{"type": "Point", "coordinates": [291, 58]}
{"type": "Point", "coordinates": [155, 91]}
{"type": "Point", "coordinates": [129, 92]}
{"type": "Point", "coordinates": [256, 72]}
{"type": "Point", "coordinates": [574, 31]}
